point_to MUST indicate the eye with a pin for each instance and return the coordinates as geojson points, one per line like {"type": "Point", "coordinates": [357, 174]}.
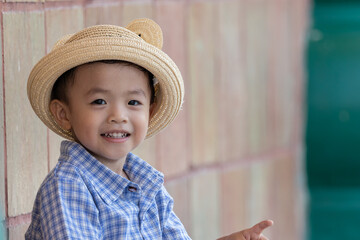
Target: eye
{"type": "Point", "coordinates": [99, 102]}
{"type": "Point", "coordinates": [134, 102]}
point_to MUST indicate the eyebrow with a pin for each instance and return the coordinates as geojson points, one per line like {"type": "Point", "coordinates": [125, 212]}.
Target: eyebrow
{"type": "Point", "coordinates": [137, 92]}
{"type": "Point", "coordinates": [104, 91]}
{"type": "Point", "coordinates": [96, 90]}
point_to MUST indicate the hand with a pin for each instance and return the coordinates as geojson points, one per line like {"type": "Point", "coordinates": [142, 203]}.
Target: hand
{"type": "Point", "coordinates": [253, 233]}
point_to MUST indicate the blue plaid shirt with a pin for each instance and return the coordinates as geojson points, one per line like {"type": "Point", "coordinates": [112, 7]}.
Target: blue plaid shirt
{"type": "Point", "coordinates": [83, 199]}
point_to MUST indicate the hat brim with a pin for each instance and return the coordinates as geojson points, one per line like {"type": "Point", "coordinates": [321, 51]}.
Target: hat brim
{"type": "Point", "coordinates": [169, 98]}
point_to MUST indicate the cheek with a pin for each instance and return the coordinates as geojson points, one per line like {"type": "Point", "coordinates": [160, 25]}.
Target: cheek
{"type": "Point", "coordinates": [142, 121]}
{"type": "Point", "coordinates": [83, 121]}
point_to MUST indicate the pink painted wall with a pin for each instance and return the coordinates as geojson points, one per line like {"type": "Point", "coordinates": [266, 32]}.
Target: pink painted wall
{"type": "Point", "coordinates": [233, 157]}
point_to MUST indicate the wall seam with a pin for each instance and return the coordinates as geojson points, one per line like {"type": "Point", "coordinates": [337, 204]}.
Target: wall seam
{"type": "Point", "coordinates": [22, 219]}
{"type": "Point", "coordinates": [221, 167]}
{"type": "Point", "coordinates": [4, 113]}
{"type": "Point", "coordinates": [47, 130]}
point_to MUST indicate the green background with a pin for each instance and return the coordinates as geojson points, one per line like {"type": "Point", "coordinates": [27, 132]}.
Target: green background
{"type": "Point", "coordinates": [333, 120]}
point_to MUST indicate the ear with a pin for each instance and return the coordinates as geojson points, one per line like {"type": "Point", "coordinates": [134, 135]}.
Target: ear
{"type": "Point", "coordinates": [61, 113]}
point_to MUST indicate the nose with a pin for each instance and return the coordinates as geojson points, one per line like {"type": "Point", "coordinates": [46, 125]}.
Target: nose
{"type": "Point", "coordinates": [118, 114]}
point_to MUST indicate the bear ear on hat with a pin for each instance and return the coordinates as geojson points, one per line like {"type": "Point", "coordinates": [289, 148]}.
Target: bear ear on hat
{"type": "Point", "coordinates": [148, 30]}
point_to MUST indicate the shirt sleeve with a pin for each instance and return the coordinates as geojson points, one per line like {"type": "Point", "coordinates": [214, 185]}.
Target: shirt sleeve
{"type": "Point", "coordinates": [172, 228]}
{"type": "Point", "coordinates": [66, 210]}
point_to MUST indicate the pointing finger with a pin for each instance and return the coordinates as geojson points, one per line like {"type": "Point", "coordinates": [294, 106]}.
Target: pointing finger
{"type": "Point", "coordinates": [261, 226]}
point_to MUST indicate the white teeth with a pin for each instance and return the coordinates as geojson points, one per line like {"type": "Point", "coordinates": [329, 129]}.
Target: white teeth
{"type": "Point", "coordinates": [116, 135]}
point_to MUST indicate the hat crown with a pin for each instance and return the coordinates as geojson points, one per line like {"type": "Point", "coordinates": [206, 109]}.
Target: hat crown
{"type": "Point", "coordinates": [97, 31]}
{"type": "Point", "coordinates": [143, 28]}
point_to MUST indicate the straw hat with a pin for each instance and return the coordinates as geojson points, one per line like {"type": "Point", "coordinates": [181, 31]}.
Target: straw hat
{"type": "Point", "coordinates": [140, 43]}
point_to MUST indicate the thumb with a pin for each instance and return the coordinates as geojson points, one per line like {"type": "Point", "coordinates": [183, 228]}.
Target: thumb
{"type": "Point", "coordinates": [261, 226]}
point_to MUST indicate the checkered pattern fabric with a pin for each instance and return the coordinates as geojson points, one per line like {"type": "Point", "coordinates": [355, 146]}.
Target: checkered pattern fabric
{"type": "Point", "coordinates": [83, 199]}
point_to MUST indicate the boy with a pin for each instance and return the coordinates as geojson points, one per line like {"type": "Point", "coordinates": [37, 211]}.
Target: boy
{"type": "Point", "coordinates": [106, 89]}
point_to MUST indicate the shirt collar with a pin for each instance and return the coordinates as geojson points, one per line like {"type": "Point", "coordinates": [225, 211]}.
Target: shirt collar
{"type": "Point", "coordinates": [107, 183]}
{"type": "Point", "coordinates": [140, 172]}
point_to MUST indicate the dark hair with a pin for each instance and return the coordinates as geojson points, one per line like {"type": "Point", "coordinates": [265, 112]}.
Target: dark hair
{"type": "Point", "coordinates": [67, 79]}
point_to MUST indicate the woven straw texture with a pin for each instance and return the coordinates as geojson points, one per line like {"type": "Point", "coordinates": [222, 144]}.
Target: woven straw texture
{"type": "Point", "coordinates": [140, 45]}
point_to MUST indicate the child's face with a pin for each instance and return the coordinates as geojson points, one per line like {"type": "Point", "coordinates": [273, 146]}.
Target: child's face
{"type": "Point", "coordinates": [109, 108]}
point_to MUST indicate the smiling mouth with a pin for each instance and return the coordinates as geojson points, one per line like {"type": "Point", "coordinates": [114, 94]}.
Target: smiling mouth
{"type": "Point", "coordinates": [115, 135]}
